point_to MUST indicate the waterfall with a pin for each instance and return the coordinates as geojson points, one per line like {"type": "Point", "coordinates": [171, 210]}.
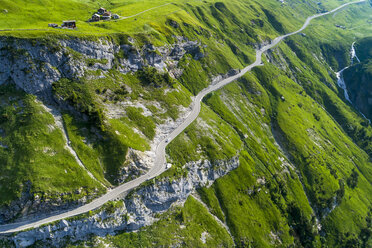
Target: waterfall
{"type": "Point", "coordinates": [353, 54]}
{"type": "Point", "coordinates": [340, 79]}
{"type": "Point", "coordinates": [341, 83]}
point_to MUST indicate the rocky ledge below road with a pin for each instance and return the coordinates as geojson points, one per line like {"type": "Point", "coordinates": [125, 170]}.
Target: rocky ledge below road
{"type": "Point", "coordinates": [139, 208]}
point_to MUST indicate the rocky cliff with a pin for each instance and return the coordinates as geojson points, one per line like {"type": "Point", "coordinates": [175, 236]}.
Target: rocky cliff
{"type": "Point", "coordinates": [34, 66]}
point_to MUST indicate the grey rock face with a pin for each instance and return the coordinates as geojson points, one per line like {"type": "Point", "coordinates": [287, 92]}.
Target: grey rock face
{"type": "Point", "coordinates": [135, 166]}
{"type": "Point", "coordinates": [33, 66]}
{"type": "Point", "coordinates": [32, 204]}
{"type": "Point", "coordinates": [136, 210]}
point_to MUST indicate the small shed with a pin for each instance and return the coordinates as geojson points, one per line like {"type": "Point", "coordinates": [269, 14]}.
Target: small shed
{"type": "Point", "coordinates": [101, 11]}
{"type": "Point", "coordinates": [53, 25]}
{"type": "Point", "coordinates": [69, 24]}
{"type": "Point", "coordinates": [106, 15]}
{"type": "Point", "coordinates": [115, 16]}
{"type": "Point", "coordinates": [95, 18]}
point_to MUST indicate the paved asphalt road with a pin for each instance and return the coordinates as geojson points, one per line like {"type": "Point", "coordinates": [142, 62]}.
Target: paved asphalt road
{"type": "Point", "coordinates": [160, 162]}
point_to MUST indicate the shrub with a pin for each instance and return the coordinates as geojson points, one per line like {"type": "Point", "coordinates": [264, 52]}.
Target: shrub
{"type": "Point", "coordinates": [145, 124]}
{"type": "Point", "coordinates": [150, 76]}
{"type": "Point", "coordinates": [352, 180]}
{"type": "Point", "coordinates": [80, 97]}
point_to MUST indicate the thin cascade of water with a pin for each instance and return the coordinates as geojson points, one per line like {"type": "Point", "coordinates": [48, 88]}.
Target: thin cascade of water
{"type": "Point", "coordinates": [341, 83]}
{"type": "Point", "coordinates": [340, 79]}
{"type": "Point", "coordinates": [353, 54]}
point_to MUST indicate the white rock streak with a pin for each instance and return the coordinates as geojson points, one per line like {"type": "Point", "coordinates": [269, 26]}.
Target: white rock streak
{"type": "Point", "coordinates": [59, 123]}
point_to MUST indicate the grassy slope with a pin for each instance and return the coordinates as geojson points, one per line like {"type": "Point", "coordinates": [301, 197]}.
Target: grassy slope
{"type": "Point", "coordinates": [33, 151]}
{"type": "Point", "coordinates": [241, 115]}
{"type": "Point", "coordinates": [319, 148]}
{"type": "Point", "coordinates": [287, 115]}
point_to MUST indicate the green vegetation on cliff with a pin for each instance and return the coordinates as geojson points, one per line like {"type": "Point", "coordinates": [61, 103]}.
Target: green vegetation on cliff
{"type": "Point", "coordinates": [33, 151]}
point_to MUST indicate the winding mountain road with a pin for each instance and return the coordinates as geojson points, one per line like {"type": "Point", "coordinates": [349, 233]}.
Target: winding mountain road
{"type": "Point", "coordinates": [160, 160]}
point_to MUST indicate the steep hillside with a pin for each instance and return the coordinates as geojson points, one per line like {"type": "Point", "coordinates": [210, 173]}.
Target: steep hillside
{"type": "Point", "coordinates": [110, 104]}
{"type": "Point", "coordinates": [276, 159]}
